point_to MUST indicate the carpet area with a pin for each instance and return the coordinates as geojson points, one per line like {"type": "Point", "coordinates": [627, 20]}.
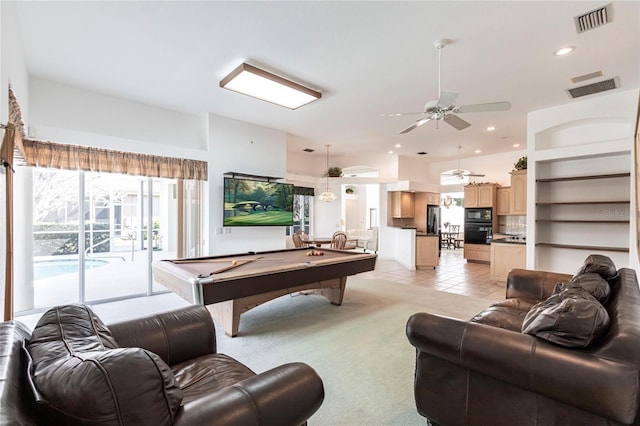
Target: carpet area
{"type": "Point", "coordinates": [359, 349]}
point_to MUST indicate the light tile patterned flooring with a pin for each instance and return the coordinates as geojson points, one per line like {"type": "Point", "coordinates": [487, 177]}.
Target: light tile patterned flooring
{"type": "Point", "coordinates": [454, 275]}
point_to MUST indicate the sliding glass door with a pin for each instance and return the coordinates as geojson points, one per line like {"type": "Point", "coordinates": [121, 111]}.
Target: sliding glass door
{"type": "Point", "coordinates": [102, 248]}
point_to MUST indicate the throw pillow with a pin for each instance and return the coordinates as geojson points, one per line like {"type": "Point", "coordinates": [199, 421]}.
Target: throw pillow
{"type": "Point", "coordinates": [601, 265]}
{"type": "Point", "coordinates": [571, 318]}
{"type": "Point", "coordinates": [593, 283]}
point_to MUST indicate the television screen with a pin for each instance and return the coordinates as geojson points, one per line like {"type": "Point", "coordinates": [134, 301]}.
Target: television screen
{"type": "Point", "coordinates": [256, 203]}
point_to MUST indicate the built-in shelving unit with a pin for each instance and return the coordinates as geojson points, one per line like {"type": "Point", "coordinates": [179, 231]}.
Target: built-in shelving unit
{"type": "Point", "coordinates": [582, 212]}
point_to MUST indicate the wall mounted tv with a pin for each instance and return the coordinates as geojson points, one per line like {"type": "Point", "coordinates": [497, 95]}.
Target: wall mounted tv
{"type": "Point", "coordinates": [249, 202]}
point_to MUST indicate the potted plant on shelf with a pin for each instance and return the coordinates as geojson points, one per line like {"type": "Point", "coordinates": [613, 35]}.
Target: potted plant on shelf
{"type": "Point", "coordinates": [350, 190]}
{"type": "Point", "coordinates": [334, 172]}
{"type": "Point", "coordinates": [521, 164]}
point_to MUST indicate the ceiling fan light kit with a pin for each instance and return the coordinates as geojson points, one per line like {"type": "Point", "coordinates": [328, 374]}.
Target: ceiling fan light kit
{"type": "Point", "coordinates": [461, 173]}
{"type": "Point", "coordinates": [443, 108]}
{"type": "Point", "coordinates": [327, 196]}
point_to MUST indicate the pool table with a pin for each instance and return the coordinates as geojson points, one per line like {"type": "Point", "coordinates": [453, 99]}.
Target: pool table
{"type": "Point", "coordinates": [233, 284]}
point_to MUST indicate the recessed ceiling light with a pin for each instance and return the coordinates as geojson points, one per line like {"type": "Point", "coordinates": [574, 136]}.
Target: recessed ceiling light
{"type": "Point", "coordinates": [261, 84]}
{"type": "Point", "coordinates": [398, 145]}
{"type": "Point", "coordinates": [478, 151]}
{"type": "Point", "coordinates": [390, 152]}
{"type": "Point", "coordinates": [490, 129]}
{"type": "Point", "coordinates": [515, 145]}
{"type": "Point", "coordinates": [564, 51]}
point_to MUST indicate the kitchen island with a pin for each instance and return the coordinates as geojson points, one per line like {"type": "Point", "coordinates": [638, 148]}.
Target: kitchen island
{"type": "Point", "coordinates": [427, 250]}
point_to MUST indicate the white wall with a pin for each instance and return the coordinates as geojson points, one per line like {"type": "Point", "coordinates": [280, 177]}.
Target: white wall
{"type": "Point", "coordinates": [13, 70]}
{"type": "Point", "coordinates": [236, 146]}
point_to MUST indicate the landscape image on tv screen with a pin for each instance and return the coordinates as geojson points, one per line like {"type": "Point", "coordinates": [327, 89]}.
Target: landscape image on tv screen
{"type": "Point", "coordinates": [257, 203]}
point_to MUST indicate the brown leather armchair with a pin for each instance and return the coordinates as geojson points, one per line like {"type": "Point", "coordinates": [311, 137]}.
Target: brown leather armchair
{"type": "Point", "coordinates": [158, 370]}
{"type": "Point", "coordinates": [487, 372]}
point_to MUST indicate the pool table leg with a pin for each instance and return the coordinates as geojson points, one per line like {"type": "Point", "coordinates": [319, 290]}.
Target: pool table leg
{"type": "Point", "coordinates": [228, 316]}
{"type": "Point", "coordinates": [333, 293]}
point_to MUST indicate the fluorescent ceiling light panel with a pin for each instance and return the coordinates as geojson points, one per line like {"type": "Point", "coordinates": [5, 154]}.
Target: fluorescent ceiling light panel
{"type": "Point", "coordinates": [261, 84]}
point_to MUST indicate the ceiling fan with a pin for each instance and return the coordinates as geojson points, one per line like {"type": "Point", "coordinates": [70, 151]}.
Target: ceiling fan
{"type": "Point", "coordinates": [460, 173]}
{"type": "Point", "coordinates": [443, 108]}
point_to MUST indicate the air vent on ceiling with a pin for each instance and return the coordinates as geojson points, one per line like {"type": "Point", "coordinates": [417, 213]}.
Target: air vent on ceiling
{"type": "Point", "coordinates": [594, 19]}
{"type": "Point", "coordinates": [585, 77]}
{"type": "Point", "coordinates": [590, 89]}
{"type": "Point", "coordinates": [308, 150]}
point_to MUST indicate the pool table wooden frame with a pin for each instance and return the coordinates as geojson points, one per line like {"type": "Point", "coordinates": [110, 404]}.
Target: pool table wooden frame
{"type": "Point", "coordinates": [244, 281]}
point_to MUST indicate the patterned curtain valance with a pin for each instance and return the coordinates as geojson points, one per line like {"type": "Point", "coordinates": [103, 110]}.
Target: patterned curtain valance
{"type": "Point", "coordinates": [303, 190]}
{"type": "Point", "coordinates": [73, 157]}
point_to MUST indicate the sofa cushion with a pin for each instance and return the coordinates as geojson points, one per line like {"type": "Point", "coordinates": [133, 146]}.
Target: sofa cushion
{"type": "Point", "coordinates": [80, 376]}
{"type": "Point", "coordinates": [601, 265]}
{"type": "Point", "coordinates": [571, 318]}
{"type": "Point", "coordinates": [208, 373]}
{"type": "Point", "coordinates": [508, 314]}
{"type": "Point", "coordinates": [593, 283]}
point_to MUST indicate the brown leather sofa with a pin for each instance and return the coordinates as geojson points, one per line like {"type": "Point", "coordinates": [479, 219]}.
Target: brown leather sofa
{"type": "Point", "coordinates": [486, 371]}
{"type": "Point", "coordinates": [158, 370]}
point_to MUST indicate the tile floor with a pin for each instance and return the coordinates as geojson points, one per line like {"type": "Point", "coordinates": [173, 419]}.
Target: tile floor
{"type": "Point", "coordinates": [453, 275]}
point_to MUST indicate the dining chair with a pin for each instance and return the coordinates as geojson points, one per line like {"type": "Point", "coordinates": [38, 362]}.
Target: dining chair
{"type": "Point", "coordinates": [339, 240]}
{"type": "Point", "coordinates": [297, 239]}
{"type": "Point", "coordinates": [453, 235]}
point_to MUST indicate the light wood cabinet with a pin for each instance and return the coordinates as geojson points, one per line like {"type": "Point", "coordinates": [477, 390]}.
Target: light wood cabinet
{"type": "Point", "coordinates": [505, 257]}
{"type": "Point", "coordinates": [433, 198]}
{"type": "Point", "coordinates": [427, 249]}
{"type": "Point", "coordinates": [518, 196]}
{"type": "Point", "coordinates": [402, 205]}
{"type": "Point", "coordinates": [480, 253]}
{"type": "Point", "coordinates": [480, 195]}
{"type": "Point", "coordinates": [503, 201]}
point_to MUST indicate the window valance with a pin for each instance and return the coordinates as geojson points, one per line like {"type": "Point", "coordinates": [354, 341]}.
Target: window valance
{"type": "Point", "coordinates": [73, 157]}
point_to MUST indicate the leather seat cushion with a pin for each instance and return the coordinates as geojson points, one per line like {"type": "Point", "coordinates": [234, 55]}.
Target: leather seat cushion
{"type": "Point", "coordinates": [508, 314]}
{"type": "Point", "coordinates": [208, 373]}
{"type": "Point", "coordinates": [79, 376]}
{"type": "Point", "coordinates": [571, 318]}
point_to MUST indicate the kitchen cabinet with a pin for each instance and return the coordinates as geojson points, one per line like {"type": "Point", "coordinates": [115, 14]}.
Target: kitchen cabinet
{"type": "Point", "coordinates": [483, 195]}
{"type": "Point", "coordinates": [480, 253]}
{"type": "Point", "coordinates": [503, 201]}
{"type": "Point", "coordinates": [505, 257]}
{"type": "Point", "coordinates": [518, 195]}
{"type": "Point", "coordinates": [433, 198]}
{"type": "Point", "coordinates": [402, 205]}
{"type": "Point", "coordinates": [427, 251]}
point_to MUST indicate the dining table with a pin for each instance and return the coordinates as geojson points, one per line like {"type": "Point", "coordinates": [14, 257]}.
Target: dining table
{"type": "Point", "coordinates": [317, 241]}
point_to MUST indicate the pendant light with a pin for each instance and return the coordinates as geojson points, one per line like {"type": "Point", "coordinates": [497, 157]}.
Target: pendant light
{"type": "Point", "coordinates": [327, 196]}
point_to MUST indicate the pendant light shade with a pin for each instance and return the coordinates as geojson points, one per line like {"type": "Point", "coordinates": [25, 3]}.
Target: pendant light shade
{"type": "Point", "coordinates": [327, 196]}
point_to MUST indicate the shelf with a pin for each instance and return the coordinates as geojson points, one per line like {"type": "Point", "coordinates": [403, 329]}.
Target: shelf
{"type": "Point", "coordinates": [583, 202]}
{"type": "Point", "coordinates": [590, 248]}
{"type": "Point", "coordinates": [582, 221]}
{"type": "Point", "coordinates": [585, 177]}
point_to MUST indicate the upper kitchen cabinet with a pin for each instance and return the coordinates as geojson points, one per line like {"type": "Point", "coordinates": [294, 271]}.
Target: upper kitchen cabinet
{"type": "Point", "coordinates": [503, 203]}
{"type": "Point", "coordinates": [483, 195]}
{"type": "Point", "coordinates": [518, 196]}
{"type": "Point", "coordinates": [402, 204]}
{"type": "Point", "coordinates": [433, 198]}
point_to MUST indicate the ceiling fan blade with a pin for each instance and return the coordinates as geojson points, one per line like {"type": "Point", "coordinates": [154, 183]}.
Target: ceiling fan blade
{"type": "Point", "coordinates": [398, 114]}
{"type": "Point", "coordinates": [447, 99]}
{"type": "Point", "coordinates": [491, 106]}
{"type": "Point", "coordinates": [455, 121]}
{"type": "Point", "coordinates": [414, 125]}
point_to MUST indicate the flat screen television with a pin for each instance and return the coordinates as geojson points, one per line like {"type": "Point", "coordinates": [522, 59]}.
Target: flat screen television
{"type": "Point", "coordinates": [249, 202]}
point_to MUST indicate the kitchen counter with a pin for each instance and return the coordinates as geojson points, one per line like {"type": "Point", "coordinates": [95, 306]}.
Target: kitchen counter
{"type": "Point", "coordinates": [507, 254]}
{"type": "Point", "coordinates": [509, 241]}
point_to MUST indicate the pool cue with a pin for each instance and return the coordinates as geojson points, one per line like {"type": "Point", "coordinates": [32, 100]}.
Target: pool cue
{"type": "Point", "coordinates": [226, 268]}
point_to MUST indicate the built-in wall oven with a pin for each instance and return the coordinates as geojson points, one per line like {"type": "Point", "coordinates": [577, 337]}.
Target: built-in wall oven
{"type": "Point", "coordinates": [477, 225]}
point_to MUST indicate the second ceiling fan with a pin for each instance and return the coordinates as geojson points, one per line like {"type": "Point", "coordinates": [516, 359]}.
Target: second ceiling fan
{"type": "Point", "coordinates": [444, 109]}
{"type": "Point", "coordinates": [460, 173]}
